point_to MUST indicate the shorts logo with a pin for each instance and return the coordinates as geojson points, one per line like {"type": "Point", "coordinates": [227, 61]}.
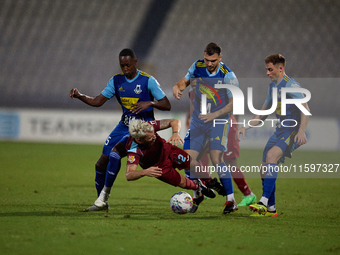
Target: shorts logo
{"type": "Point", "coordinates": [131, 159]}
{"type": "Point", "coordinates": [138, 89]}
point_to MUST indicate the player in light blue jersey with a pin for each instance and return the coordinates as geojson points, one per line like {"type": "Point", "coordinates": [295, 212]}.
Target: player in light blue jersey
{"type": "Point", "coordinates": [207, 73]}
{"type": "Point", "coordinates": [285, 139]}
{"type": "Point", "coordinates": [138, 94]}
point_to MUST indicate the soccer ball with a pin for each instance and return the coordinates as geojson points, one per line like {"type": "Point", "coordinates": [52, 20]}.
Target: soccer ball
{"type": "Point", "coordinates": [181, 202]}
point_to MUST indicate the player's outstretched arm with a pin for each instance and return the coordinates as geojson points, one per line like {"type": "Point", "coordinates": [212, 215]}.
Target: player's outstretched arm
{"type": "Point", "coordinates": [92, 101]}
{"type": "Point", "coordinates": [132, 174]}
{"type": "Point", "coordinates": [175, 124]}
{"type": "Point", "coordinates": [179, 87]}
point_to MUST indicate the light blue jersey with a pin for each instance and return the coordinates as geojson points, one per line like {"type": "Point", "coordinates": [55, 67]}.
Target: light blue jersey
{"type": "Point", "coordinates": [292, 111]}
{"type": "Point", "coordinates": [143, 87]}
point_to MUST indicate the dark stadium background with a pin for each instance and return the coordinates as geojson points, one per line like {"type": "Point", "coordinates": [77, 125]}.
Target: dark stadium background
{"type": "Point", "coordinates": [49, 47]}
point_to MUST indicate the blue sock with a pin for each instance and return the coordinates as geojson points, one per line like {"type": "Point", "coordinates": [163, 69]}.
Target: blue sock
{"type": "Point", "coordinates": [270, 179]}
{"type": "Point", "coordinates": [112, 169]}
{"type": "Point", "coordinates": [271, 199]}
{"type": "Point", "coordinates": [99, 181]}
{"type": "Point", "coordinates": [225, 178]}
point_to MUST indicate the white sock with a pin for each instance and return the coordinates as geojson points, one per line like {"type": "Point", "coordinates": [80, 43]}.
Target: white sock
{"type": "Point", "coordinates": [107, 189]}
{"type": "Point", "coordinates": [230, 197]}
{"type": "Point", "coordinates": [272, 208]}
{"type": "Point", "coordinates": [264, 201]}
{"type": "Point", "coordinates": [250, 195]}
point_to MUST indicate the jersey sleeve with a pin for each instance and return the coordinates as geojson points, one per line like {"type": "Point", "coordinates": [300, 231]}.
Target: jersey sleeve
{"type": "Point", "coordinates": [109, 90]}
{"type": "Point", "coordinates": [156, 124]}
{"type": "Point", "coordinates": [132, 153]}
{"type": "Point", "coordinates": [190, 73]}
{"type": "Point", "coordinates": [231, 79]}
{"type": "Point", "coordinates": [155, 89]}
{"type": "Point", "coordinates": [294, 84]}
{"type": "Point", "coordinates": [269, 98]}
{"type": "Point", "coordinates": [132, 158]}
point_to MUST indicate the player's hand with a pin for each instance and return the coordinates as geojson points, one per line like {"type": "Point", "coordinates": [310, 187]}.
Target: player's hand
{"type": "Point", "coordinates": [74, 93]}
{"type": "Point", "coordinates": [177, 92]}
{"type": "Point", "coordinates": [300, 138]}
{"type": "Point", "coordinates": [153, 171]}
{"type": "Point", "coordinates": [208, 117]}
{"type": "Point", "coordinates": [240, 131]}
{"type": "Point", "coordinates": [175, 138]}
{"type": "Point", "coordinates": [140, 106]}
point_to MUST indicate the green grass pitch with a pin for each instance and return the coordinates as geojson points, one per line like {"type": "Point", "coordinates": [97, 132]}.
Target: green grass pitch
{"type": "Point", "coordinates": [43, 186]}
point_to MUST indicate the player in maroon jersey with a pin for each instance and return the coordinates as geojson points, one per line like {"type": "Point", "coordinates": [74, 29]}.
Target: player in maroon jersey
{"type": "Point", "coordinates": [158, 158]}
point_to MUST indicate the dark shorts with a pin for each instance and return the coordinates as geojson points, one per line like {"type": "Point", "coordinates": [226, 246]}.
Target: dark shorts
{"type": "Point", "coordinates": [285, 141]}
{"type": "Point", "coordinates": [116, 135]}
{"type": "Point", "coordinates": [177, 158]}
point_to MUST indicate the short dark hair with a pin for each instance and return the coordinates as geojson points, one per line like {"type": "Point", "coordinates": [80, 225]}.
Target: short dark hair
{"type": "Point", "coordinates": [127, 52]}
{"type": "Point", "coordinates": [213, 48]}
{"type": "Point", "coordinates": [276, 59]}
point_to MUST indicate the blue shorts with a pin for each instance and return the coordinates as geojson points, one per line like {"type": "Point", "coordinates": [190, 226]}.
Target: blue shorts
{"type": "Point", "coordinates": [116, 135]}
{"type": "Point", "coordinates": [285, 141]}
{"type": "Point", "coordinates": [198, 135]}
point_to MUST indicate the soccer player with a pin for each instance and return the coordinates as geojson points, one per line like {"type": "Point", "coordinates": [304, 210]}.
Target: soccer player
{"type": "Point", "coordinates": [208, 72]}
{"type": "Point", "coordinates": [230, 156]}
{"type": "Point", "coordinates": [138, 93]}
{"type": "Point", "coordinates": [284, 140]}
{"type": "Point", "coordinates": [157, 157]}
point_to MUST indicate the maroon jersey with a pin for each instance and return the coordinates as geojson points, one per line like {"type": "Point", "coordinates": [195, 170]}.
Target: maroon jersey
{"type": "Point", "coordinates": [161, 154]}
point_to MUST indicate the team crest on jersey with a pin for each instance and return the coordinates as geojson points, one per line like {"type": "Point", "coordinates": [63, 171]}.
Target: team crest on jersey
{"type": "Point", "coordinates": [131, 159]}
{"type": "Point", "coordinates": [138, 89]}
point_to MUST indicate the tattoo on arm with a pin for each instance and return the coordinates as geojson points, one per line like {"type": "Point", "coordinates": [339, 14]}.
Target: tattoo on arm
{"type": "Point", "coordinates": [165, 123]}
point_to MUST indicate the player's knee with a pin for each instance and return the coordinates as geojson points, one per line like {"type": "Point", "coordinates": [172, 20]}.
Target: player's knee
{"type": "Point", "coordinates": [216, 157]}
{"type": "Point", "coordinates": [101, 164]}
{"type": "Point", "coordinates": [272, 157]}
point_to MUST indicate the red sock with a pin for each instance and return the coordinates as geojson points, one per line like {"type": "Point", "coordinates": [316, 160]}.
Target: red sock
{"type": "Point", "coordinates": [240, 181]}
{"type": "Point", "coordinates": [190, 184]}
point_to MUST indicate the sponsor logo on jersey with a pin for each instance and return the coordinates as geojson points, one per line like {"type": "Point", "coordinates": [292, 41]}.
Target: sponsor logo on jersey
{"type": "Point", "coordinates": [127, 102]}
